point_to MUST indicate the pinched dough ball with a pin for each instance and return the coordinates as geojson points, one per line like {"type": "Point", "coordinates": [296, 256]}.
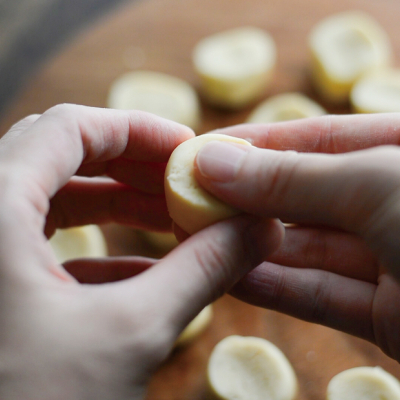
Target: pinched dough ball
{"type": "Point", "coordinates": [189, 205]}
{"type": "Point", "coordinates": [78, 242]}
{"type": "Point", "coordinates": [160, 94]}
{"type": "Point", "coordinates": [250, 368]}
{"type": "Point", "coordinates": [363, 383]}
{"type": "Point", "coordinates": [285, 107]}
{"type": "Point", "coordinates": [377, 92]}
{"type": "Point", "coordinates": [235, 66]}
{"type": "Point", "coordinates": [344, 47]}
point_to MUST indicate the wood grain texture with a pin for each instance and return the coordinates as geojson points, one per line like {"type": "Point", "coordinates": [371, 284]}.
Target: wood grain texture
{"type": "Point", "coordinates": [160, 35]}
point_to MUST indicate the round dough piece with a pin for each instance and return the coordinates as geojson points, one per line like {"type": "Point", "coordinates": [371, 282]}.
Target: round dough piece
{"type": "Point", "coordinates": [377, 92]}
{"type": "Point", "coordinates": [285, 107]}
{"type": "Point", "coordinates": [189, 205]}
{"type": "Point", "coordinates": [250, 368]}
{"type": "Point", "coordinates": [161, 94]}
{"type": "Point", "coordinates": [344, 47]}
{"type": "Point", "coordinates": [78, 242]}
{"type": "Point", "coordinates": [363, 383]}
{"type": "Point", "coordinates": [235, 66]}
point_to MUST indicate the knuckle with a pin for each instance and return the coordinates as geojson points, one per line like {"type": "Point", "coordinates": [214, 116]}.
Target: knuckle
{"type": "Point", "coordinates": [26, 121]}
{"type": "Point", "coordinates": [374, 188]}
{"type": "Point", "coordinates": [210, 260]}
{"type": "Point", "coordinates": [278, 285]}
{"type": "Point", "coordinates": [61, 110]}
{"type": "Point", "coordinates": [64, 117]}
{"type": "Point", "coordinates": [276, 176]}
{"type": "Point", "coordinates": [326, 142]}
{"type": "Point", "coordinates": [320, 299]}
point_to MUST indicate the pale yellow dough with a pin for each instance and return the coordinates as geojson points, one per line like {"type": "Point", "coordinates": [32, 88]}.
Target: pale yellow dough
{"type": "Point", "coordinates": [189, 205]}
{"type": "Point", "coordinates": [235, 66]}
{"type": "Point", "coordinates": [250, 368]}
{"type": "Point", "coordinates": [285, 107]}
{"type": "Point", "coordinates": [78, 242]}
{"type": "Point", "coordinates": [377, 92]}
{"type": "Point", "coordinates": [196, 326]}
{"type": "Point", "coordinates": [363, 383]}
{"type": "Point", "coordinates": [158, 93]}
{"type": "Point", "coordinates": [344, 47]}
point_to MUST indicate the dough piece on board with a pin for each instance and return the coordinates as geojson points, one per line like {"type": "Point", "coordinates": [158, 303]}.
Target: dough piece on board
{"type": "Point", "coordinates": [158, 93]}
{"type": "Point", "coordinates": [285, 107]}
{"type": "Point", "coordinates": [235, 66]}
{"type": "Point", "coordinates": [344, 47]}
{"type": "Point", "coordinates": [377, 92]}
{"type": "Point", "coordinates": [250, 368]}
{"type": "Point", "coordinates": [363, 383]}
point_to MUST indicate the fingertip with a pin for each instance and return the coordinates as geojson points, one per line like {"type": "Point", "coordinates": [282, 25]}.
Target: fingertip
{"type": "Point", "coordinates": [220, 161]}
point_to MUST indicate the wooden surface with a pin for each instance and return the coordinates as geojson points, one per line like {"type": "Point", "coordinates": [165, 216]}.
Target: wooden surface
{"type": "Point", "coordinates": [159, 35]}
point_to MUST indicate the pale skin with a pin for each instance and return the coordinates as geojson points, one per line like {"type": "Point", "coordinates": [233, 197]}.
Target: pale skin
{"type": "Point", "coordinates": [339, 264]}
{"type": "Point", "coordinates": [61, 337]}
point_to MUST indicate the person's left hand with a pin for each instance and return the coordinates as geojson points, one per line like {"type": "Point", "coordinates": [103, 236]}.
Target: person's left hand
{"type": "Point", "coordinates": [60, 339]}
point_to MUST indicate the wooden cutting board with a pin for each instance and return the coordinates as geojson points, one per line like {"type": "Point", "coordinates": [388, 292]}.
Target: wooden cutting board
{"type": "Point", "coordinates": [160, 35]}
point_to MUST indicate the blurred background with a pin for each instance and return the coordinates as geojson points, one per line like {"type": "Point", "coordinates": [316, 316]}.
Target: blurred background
{"type": "Point", "coordinates": [54, 51]}
{"type": "Point", "coordinates": [57, 51]}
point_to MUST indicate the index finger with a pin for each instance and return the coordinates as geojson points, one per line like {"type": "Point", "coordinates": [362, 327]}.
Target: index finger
{"type": "Point", "coordinates": [37, 162]}
{"type": "Point", "coordinates": [325, 134]}
{"type": "Point", "coordinates": [66, 136]}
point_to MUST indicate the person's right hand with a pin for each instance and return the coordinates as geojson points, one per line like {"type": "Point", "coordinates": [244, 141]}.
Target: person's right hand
{"type": "Point", "coordinates": [340, 263]}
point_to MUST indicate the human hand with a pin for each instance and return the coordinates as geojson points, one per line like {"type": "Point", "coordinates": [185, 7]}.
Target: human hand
{"type": "Point", "coordinates": [60, 339]}
{"type": "Point", "coordinates": [339, 264]}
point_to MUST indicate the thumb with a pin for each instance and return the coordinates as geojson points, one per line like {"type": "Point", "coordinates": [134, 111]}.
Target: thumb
{"type": "Point", "coordinates": [350, 191]}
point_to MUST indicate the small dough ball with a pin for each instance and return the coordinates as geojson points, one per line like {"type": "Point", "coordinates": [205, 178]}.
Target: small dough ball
{"type": "Point", "coordinates": [161, 94]}
{"type": "Point", "coordinates": [189, 205]}
{"type": "Point", "coordinates": [363, 383]}
{"type": "Point", "coordinates": [250, 368]}
{"type": "Point", "coordinates": [285, 107]}
{"type": "Point", "coordinates": [344, 47]}
{"type": "Point", "coordinates": [235, 66]}
{"type": "Point", "coordinates": [196, 326]}
{"type": "Point", "coordinates": [78, 242]}
{"type": "Point", "coordinates": [377, 92]}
